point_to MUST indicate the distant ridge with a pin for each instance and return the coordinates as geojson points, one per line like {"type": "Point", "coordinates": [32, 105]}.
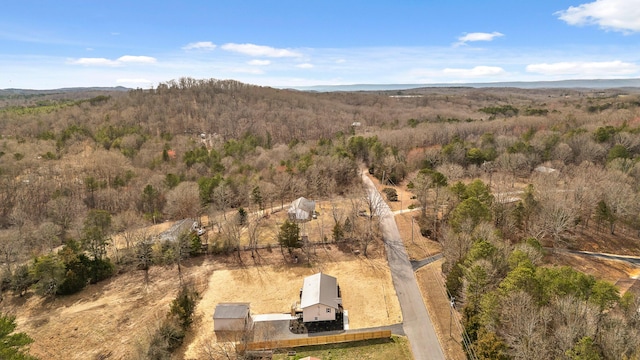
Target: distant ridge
{"type": "Point", "coordinates": [6, 92]}
{"type": "Point", "coordinates": [560, 84]}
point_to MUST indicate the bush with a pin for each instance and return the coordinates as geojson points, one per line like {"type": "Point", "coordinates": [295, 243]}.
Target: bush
{"type": "Point", "coordinates": [195, 245]}
{"type": "Point", "coordinates": [100, 269]}
{"type": "Point", "coordinates": [76, 276]}
{"type": "Point", "coordinates": [392, 194]}
{"type": "Point", "coordinates": [183, 306]}
{"type": "Point", "coordinates": [170, 334]}
{"type": "Point", "coordinates": [167, 338]}
{"type": "Point", "coordinates": [21, 280]}
{"type": "Point", "coordinates": [5, 280]}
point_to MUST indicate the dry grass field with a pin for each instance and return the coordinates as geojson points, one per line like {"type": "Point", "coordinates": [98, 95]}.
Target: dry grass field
{"type": "Point", "coordinates": [367, 291]}
{"type": "Point", "coordinates": [114, 319]}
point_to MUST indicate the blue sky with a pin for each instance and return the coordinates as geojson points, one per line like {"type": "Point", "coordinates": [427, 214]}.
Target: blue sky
{"type": "Point", "coordinates": [47, 44]}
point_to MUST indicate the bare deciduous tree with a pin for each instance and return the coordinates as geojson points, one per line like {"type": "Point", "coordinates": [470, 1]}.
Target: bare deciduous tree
{"type": "Point", "coordinates": [524, 327]}
{"type": "Point", "coordinates": [184, 201]}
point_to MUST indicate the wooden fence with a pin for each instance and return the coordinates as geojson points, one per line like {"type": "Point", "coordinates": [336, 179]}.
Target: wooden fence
{"type": "Point", "coordinates": [318, 340]}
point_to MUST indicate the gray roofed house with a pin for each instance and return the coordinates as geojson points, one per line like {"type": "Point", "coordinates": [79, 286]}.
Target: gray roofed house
{"type": "Point", "coordinates": [301, 210]}
{"type": "Point", "coordinates": [181, 227]}
{"type": "Point", "coordinates": [320, 298]}
{"type": "Point", "coordinates": [232, 317]}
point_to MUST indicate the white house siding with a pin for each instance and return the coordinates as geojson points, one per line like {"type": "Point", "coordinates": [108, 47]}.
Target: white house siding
{"type": "Point", "coordinates": [318, 312]}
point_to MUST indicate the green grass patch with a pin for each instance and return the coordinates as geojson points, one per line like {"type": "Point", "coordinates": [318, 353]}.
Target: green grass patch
{"type": "Point", "coordinates": [396, 347]}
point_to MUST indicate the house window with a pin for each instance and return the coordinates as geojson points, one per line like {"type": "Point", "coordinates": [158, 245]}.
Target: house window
{"type": "Point", "coordinates": [329, 310]}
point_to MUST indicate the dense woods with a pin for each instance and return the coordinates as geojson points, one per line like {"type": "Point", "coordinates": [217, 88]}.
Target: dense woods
{"type": "Point", "coordinates": [502, 176]}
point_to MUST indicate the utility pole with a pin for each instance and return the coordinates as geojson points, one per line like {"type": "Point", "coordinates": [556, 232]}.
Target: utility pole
{"type": "Point", "coordinates": [453, 303]}
{"type": "Point", "coordinates": [412, 241]}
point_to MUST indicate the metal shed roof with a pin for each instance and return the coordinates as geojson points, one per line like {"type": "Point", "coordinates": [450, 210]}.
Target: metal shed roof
{"type": "Point", "coordinates": [231, 311]}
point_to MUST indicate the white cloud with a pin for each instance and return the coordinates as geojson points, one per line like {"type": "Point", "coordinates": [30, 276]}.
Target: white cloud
{"type": "Point", "coordinates": [93, 61]}
{"type": "Point", "coordinates": [478, 71]}
{"type": "Point", "coordinates": [200, 45]}
{"type": "Point", "coordinates": [259, 62]}
{"type": "Point", "coordinates": [118, 62]}
{"type": "Point", "coordinates": [259, 50]}
{"type": "Point", "coordinates": [136, 59]}
{"type": "Point", "coordinates": [478, 36]}
{"type": "Point", "coordinates": [591, 69]}
{"type": "Point", "coordinates": [616, 15]}
{"type": "Point", "coordinates": [304, 66]}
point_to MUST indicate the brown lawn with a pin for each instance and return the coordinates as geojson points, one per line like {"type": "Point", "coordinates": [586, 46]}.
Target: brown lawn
{"type": "Point", "coordinates": [114, 319]}
{"type": "Point", "coordinates": [365, 283]}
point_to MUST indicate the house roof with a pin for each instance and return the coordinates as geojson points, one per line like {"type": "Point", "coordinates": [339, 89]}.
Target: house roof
{"type": "Point", "coordinates": [319, 289]}
{"type": "Point", "coordinates": [231, 311]}
{"type": "Point", "coordinates": [545, 169]}
{"type": "Point", "coordinates": [301, 209]}
{"type": "Point", "coordinates": [179, 228]}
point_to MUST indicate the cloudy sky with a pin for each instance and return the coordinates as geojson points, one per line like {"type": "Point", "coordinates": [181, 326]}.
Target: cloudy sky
{"type": "Point", "coordinates": [66, 43]}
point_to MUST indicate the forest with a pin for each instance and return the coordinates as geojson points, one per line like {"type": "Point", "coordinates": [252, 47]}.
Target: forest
{"type": "Point", "coordinates": [503, 178]}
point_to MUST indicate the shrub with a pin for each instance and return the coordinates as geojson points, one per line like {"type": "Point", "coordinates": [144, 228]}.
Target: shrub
{"type": "Point", "coordinates": [21, 280]}
{"type": "Point", "coordinates": [183, 306]}
{"type": "Point", "coordinates": [167, 338]}
{"type": "Point", "coordinates": [391, 193]}
{"type": "Point", "coordinates": [454, 280]}
{"type": "Point", "coordinates": [100, 269]}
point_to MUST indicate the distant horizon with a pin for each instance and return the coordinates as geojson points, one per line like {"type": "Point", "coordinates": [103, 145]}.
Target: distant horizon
{"type": "Point", "coordinates": [294, 44]}
{"type": "Point", "coordinates": [566, 83]}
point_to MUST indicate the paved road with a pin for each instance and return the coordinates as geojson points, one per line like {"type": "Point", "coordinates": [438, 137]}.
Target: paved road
{"type": "Point", "coordinates": [627, 258]}
{"type": "Point", "coordinates": [416, 321]}
{"type": "Point", "coordinates": [417, 264]}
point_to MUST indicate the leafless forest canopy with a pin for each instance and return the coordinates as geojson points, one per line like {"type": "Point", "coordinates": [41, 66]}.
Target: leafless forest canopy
{"type": "Point", "coordinates": [190, 147]}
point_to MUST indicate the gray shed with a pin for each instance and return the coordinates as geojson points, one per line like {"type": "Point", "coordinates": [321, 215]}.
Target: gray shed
{"type": "Point", "coordinates": [232, 317]}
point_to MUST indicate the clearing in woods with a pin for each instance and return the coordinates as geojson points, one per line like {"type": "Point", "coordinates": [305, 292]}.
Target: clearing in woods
{"type": "Point", "coordinates": [115, 318]}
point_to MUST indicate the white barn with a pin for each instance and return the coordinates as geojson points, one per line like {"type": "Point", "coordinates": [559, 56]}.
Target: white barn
{"type": "Point", "coordinates": [232, 317]}
{"type": "Point", "coordinates": [320, 298]}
